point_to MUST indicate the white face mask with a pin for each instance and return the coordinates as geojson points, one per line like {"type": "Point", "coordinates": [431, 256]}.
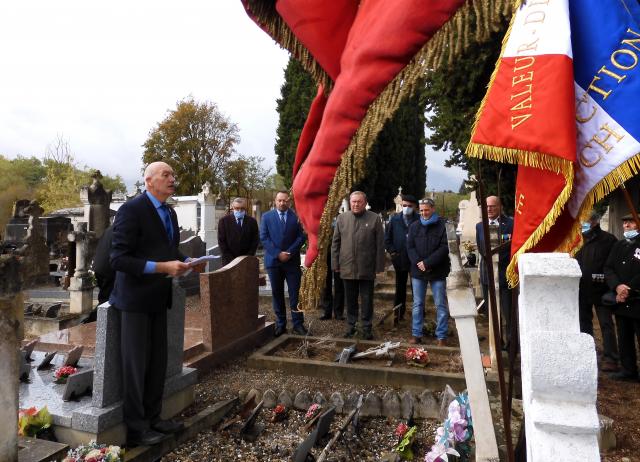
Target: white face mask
{"type": "Point", "coordinates": [630, 234]}
{"type": "Point", "coordinates": [407, 210]}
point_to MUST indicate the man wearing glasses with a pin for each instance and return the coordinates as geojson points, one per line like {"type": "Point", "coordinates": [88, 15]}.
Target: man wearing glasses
{"type": "Point", "coordinates": [428, 250]}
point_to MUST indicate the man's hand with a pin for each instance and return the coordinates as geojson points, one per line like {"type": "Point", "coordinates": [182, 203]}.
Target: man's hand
{"type": "Point", "coordinates": [623, 290]}
{"type": "Point", "coordinates": [421, 266]}
{"type": "Point", "coordinates": [172, 268]}
{"type": "Point", "coordinates": [284, 257]}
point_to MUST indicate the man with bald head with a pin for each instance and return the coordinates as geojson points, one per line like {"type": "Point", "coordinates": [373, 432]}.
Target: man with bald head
{"type": "Point", "coordinates": [143, 253]}
{"type": "Point", "coordinates": [505, 229]}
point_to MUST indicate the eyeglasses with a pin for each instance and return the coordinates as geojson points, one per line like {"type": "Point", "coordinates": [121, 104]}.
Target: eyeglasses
{"type": "Point", "coordinates": [430, 202]}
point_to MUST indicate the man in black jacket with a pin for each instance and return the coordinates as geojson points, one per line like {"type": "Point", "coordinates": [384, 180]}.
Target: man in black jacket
{"type": "Point", "coordinates": [428, 250]}
{"type": "Point", "coordinates": [622, 273]}
{"type": "Point", "coordinates": [143, 252]}
{"type": "Point", "coordinates": [237, 232]}
{"type": "Point", "coordinates": [395, 242]}
{"type": "Point", "coordinates": [591, 258]}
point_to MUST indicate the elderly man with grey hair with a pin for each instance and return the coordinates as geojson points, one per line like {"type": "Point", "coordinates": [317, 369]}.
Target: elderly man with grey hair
{"type": "Point", "coordinates": [237, 232]}
{"type": "Point", "coordinates": [357, 253]}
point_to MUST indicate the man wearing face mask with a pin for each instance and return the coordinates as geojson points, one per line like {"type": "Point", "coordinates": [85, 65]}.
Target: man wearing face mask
{"type": "Point", "coordinates": [622, 273]}
{"type": "Point", "coordinates": [237, 232]}
{"type": "Point", "coordinates": [428, 250]}
{"type": "Point", "coordinates": [596, 247]}
{"type": "Point", "coordinates": [395, 242]}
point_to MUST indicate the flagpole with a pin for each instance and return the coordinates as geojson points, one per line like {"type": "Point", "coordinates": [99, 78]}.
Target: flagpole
{"type": "Point", "coordinates": [493, 316]}
{"type": "Point", "coordinates": [632, 207]}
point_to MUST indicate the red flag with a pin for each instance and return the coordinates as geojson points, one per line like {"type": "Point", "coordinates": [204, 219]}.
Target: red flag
{"type": "Point", "coordinates": [528, 118]}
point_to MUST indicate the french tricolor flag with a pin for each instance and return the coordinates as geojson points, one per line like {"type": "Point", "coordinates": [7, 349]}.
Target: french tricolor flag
{"type": "Point", "coordinates": [560, 106]}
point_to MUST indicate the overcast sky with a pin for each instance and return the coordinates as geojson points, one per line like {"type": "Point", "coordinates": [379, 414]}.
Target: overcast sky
{"type": "Point", "coordinates": [102, 75]}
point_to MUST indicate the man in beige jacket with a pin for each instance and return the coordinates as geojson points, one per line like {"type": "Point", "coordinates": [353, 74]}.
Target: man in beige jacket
{"type": "Point", "coordinates": [357, 253]}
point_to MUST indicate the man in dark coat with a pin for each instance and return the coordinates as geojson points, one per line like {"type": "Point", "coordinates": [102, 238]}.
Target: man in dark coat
{"type": "Point", "coordinates": [505, 224]}
{"type": "Point", "coordinates": [428, 250]}
{"type": "Point", "coordinates": [357, 252]}
{"type": "Point", "coordinates": [282, 237]}
{"type": "Point", "coordinates": [237, 232]}
{"type": "Point", "coordinates": [143, 252]}
{"type": "Point", "coordinates": [395, 242]}
{"type": "Point", "coordinates": [622, 273]}
{"type": "Point", "coordinates": [591, 258]}
{"type": "Point", "coordinates": [332, 300]}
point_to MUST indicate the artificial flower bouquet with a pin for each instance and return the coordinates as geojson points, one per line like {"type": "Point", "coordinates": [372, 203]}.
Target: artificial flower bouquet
{"type": "Point", "coordinates": [416, 356]}
{"type": "Point", "coordinates": [454, 436]}
{"type": "Point", "coordinates": [62, 373]}
{"type": "Point", "coordinates": [94, 452]}
{"type": "Point", "coordinates": [32, 422]}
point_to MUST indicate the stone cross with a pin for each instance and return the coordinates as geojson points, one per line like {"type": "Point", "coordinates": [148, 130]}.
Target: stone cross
{"type": "Point", "coordinates": [81, 285]}
{"type": "Point", "coordinates": [398, 200]}
{"type": "Point", "coordinates": [559, 369]}
{"type": "Point", "coordinates": [10, 327]}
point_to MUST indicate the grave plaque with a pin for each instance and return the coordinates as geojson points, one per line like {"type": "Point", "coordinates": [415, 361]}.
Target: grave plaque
{"type": "Point", "coordinates": [46, 361]}
{"type": "Point", "coordinates": [28, 349]}
{"type": "Point", "coordinates": [25, 368]}
{"type": "Point", "coordinates": [77, 385]}
{"type": "Point", "coordinates": [53, 310]}
{"type": "Point", "coordinates": [73, 356]}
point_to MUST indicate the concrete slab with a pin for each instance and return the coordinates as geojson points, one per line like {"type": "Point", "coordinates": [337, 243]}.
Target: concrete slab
{"type": "Point", "coordinates": [35, 450]}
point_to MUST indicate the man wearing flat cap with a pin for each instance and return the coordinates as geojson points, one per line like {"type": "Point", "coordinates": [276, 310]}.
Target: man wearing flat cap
{"type": "Point", "coordinates": [395, 242]}
{"type": "Point", "coordinates": [622, 273]}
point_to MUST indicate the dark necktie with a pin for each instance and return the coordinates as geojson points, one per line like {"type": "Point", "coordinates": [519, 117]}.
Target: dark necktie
{"type": "Point", "coordinates": [166, 218]}
{"type": "Point", "coordinates": [239, 221]}
{"type": "Point", "coordinates": [282, 220]}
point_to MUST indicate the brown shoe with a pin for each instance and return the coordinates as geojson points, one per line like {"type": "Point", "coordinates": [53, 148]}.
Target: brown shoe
{"type": "Point", "coordinates": [415, 340]}
{"type": "Point", "coordinates": [609, 366]}
{"type": "Point", "coordinates": [442, 342]}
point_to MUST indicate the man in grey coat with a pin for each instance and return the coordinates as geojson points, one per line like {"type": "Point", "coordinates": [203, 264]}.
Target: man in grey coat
{"type": "Point", "coordinates": [357, 253]}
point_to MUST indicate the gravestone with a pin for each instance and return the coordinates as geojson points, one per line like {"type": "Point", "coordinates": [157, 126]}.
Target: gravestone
{"type": "Point", "coordinates": [35, 265]}
{"type": "Point", "coordinates": [469, 216]}
{"type": "Point", "coordinates": [55, 230]}
{"type": "Point", "coordinates": [81, 284]}
{"type": "Point", "coordinates": [77, 385]}
{"type": "Point", "coordinates": [96, 201]}
{"type": "Point", "coordinates": [186, 234]}
{"type": "Point", "coordinates": [398, 200]}
{"type": "Point", "coordinates": [214, 265]}
{"type": "Point", "coordinates": [10, 319]}
{"type": "Point", "coordinates": [559, 368]}
{"type": "Point", "coordinates": [192, 247]}
{"type": "Point", "coordinates": [16, 229]}
{"type": "Point", "coordinates": [229, 310]}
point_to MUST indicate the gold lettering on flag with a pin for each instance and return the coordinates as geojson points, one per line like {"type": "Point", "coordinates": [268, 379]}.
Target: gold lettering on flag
{"type": "Point", "coordinates": [520, 204]}
{"type": "Point", "coordinates": [603, 142]}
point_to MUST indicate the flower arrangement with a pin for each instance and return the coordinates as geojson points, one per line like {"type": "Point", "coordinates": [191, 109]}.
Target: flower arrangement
{"type": "Point", "coordinates": [94, 452]}
{"type": "Point", "coordinates": [417, 356]}
{"type": "Point", "coordinates": [313, 411]}
{"type": "Point", "coordinates": [62, 373]}
{"type": "Point", "coordinates": [279, 413]}
{"type": "Point", "coordinates": [32, 422]}
{"type": "Point", "coordinates": [406, 435]}
{"type": "Point", "coordinates": [454, 436]}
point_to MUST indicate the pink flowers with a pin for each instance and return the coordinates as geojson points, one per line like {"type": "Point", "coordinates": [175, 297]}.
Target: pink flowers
{"type": "Point", "coordinates": [401, 429]}
{"type": "Point", "coordinates": [312, 411]}
{"type": "Point", "coordinates": [63, 372]}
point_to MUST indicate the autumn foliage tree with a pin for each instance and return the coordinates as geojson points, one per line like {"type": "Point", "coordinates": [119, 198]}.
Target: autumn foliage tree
{"type": "Point", "coordinates": [197, 140]}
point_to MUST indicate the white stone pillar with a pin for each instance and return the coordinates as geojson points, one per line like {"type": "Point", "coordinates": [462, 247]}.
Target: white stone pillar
{"type": "Point", "coordinates": [81, 285]}
{"type": "Point", "coordinates": [208, 225]}
{"type": "Point", "coordinates": [559, 370]}
{"type": "Point", "coordinates": [462, 308]}
{"type": "Point", "coordinates": [10, 321]}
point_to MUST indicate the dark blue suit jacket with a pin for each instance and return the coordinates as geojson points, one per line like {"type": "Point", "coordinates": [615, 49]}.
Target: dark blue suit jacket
{"type": "Point", "coordinates": [275, 239]}
{"type": "Point", "coordinates": [506, 228]}
{"type": "Point", "coordinates": [140, 236]}
{"type": "Point", "coordinates": [395, 240]}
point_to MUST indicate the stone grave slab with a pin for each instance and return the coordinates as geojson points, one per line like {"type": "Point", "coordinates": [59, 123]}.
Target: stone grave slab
{"type": "Point", "coordinates": [72, 358]}
{"type": "Point", "coordinates": [36, 450]}
{"type": "Point", "coordinates": [78, 385]}
{"type": "Point", "coordinates": [359, 374]}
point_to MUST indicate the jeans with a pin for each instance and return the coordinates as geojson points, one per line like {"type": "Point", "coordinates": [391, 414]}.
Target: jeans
{"type": "Point", "coordinates": [439, 289]}
{"type": "Point", "coordinates": [363, 288]}
{"type": "Point", "coordinates": [277, 276]}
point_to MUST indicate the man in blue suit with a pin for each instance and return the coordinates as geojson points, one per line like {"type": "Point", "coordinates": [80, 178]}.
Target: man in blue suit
{"type": "Point", "coordinates": [144, 251]}
{"type": "Point", "coordinates": [282, 236]}
{"type": "Point", "coordinates": [505, 224]}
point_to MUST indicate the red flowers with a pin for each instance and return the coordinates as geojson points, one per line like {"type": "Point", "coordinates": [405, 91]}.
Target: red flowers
{"type": "Point", "coordinates": [417, 356]}
{"type": "Point", "coordinates": [401, 429]}
{"type": "Point", "coordinates": [63, 372]}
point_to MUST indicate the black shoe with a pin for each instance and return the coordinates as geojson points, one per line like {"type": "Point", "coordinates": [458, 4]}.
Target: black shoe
{"type": "Point", "coordinates": [367, 335]}
{"type": "Point", "coordinates": [167, 426]}
{"type": "Point", "coordinates": [279, 331]}
{"type": "Point", "coordinates": [350, 333]}
{"type": "Point", "coordinates": [146, 438]}
{"type": "Point", "coordinates": [300, 330]}
{"type": "Point", "coordinates": [624, 376]}
{"type": "Point", "coordinates": [324, 317]}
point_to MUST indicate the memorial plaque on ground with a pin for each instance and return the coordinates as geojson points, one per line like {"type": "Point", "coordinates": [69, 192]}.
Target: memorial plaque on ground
{"type": "Point", "coordinates": [46, 361]}
{"type": "Point", "coordinates": [73, 356]}
{"type": "Point", "coordinates": [28, 349]}
{"type": "Point", "coordinates": [77, 385]}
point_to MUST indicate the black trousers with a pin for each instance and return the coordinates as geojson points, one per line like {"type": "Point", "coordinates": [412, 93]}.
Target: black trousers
{"type": "Point", "coordinates": [143, 344]}
{"type": "Point", "coordinates": [400, 297]}
{"type": "Point", "coordinates": [333, 295]}
{"type": "Point", "coordinates": [605, 319]}
{"type": "Point", "coordinates": [363, 289]}
{"type": "Point", "coordinates": [628, 329]}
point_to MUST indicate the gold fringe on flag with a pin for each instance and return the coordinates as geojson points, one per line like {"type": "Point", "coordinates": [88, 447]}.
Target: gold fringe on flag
{"type": "Point", "coordinates": [444, 46]}
{"type": "Point", "coordinates": [539, 160]}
